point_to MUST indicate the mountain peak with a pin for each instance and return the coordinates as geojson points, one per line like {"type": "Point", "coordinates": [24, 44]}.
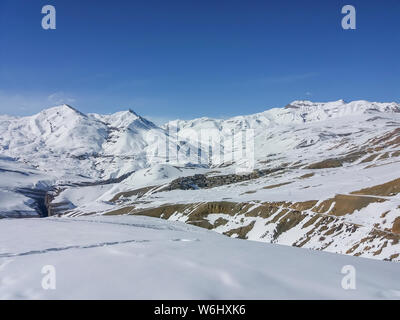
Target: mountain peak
{"type": "Point", "coordinates": [63, 109]}
{"type": "Point", "coordinates": [133, 112]}
{"type": "Point", "coordinates": [124, 119]}
{"type": "Point", "coordinates": [307, 103]}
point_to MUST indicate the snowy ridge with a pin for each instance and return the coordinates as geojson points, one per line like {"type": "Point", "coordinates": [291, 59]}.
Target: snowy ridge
{"type": "Point", "coordinates": [293, 113]}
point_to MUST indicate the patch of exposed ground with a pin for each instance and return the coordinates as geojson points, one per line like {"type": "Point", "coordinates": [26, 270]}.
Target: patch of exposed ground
{"type": "Point", "coordinates": [337, 162]}
{"type": "Point", "coordinates": [391, 138]}
{"type": "Point", "coordinates": [240, 232]}
{"type": "Point", "coordinates": [307, 175]}
{"type": "Point", "coordinates": [137, 192]}
{"type": "Point", "coordinates": [276, 185]}
{"type": "Point", "coordinates": [370, 158]}
{"type": "Point", "coordinates": [119, 211]}
{"type": "Point", "coordinates": [387, 189]}
{"type": "Point", "coordinates": [396, 226]}
{"type": "Point", "coordinates": [343, 204]}
{"type": "Point", "coordinates": [324, 164]}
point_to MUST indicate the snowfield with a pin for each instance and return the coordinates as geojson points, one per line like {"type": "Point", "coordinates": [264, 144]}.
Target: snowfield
{"type": "Point", "coordinates": [131, 257]}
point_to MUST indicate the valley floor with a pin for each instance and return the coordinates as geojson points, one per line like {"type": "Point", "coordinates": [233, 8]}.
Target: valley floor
{"type": "Point", "coordinates": [135, 257]}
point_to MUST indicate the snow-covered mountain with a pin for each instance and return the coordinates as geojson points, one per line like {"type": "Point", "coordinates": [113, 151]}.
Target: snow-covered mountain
{"type": "Point", "coordinates": [316, 175]}
{"type": "Point", "coordinates": [299, 124]}
{"type": "Point", "coordinates": [92, 146]}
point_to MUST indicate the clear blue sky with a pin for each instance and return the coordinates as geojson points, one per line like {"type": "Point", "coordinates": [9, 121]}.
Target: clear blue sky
{"type": "Point", "coordinates": [185, 59]}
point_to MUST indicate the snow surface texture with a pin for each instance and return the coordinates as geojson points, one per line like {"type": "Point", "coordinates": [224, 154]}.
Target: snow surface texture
{"type": "Point", "coordinates": [130, 257]}
{"type": "Point", "coordinates": [102, 164]}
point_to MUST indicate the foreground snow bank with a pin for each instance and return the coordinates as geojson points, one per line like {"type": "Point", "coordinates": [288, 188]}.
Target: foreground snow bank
{"type": "Point", "coordinates": [131, 257]}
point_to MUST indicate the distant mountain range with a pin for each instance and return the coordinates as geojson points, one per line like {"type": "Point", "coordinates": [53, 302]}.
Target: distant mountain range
{"type": "Point", "coordinates": [324, 176]}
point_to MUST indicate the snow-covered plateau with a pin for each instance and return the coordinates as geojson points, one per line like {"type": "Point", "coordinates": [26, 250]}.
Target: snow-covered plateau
{"type": "Point", "coordinates": [321, 176]}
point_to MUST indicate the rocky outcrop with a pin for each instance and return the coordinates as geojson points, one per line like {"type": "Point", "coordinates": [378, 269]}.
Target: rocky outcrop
{"type": "Point", "coordinates": [390, 188]}
{"type": "Point", "coordinates": [56, 208]}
